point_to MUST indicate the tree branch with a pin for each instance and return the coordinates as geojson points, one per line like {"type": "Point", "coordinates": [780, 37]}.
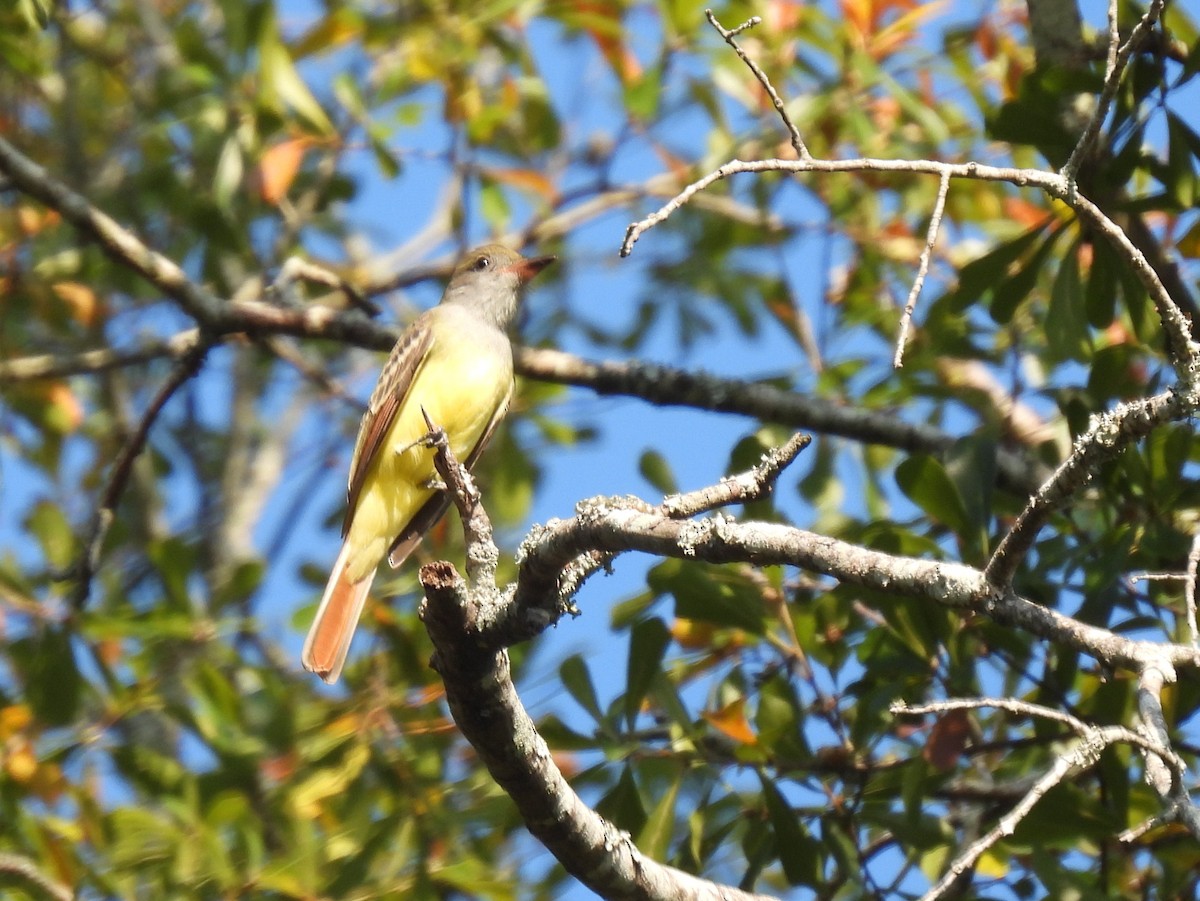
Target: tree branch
{"type": "Point", "coordinates": [488, 711]}
{"type": "Point", "coordinates": [666, 386]}
{"type": "Point", "coordinates": [89, 558]}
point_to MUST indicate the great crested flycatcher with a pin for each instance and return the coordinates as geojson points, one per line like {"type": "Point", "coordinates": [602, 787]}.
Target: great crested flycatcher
{"type": "Point", "coordinates": [454, 363]}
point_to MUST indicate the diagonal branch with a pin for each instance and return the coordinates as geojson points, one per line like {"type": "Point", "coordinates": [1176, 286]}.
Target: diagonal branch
{"type": "Point", "coordinates": [117, 241]}
{"type": "Point", "coordinates": [89, 558]}
{"type": "Point", "coordinates": [1108, 436]}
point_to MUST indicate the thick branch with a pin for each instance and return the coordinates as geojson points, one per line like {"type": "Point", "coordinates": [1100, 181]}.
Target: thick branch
{"type": "Point", "coordinates": [485, 706]}
{"type": "Point", "coordinates": [721, 540]}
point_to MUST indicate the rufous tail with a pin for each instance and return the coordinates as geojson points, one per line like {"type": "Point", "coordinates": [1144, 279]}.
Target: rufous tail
{"type": "Point", "coordinates": [329, 638]}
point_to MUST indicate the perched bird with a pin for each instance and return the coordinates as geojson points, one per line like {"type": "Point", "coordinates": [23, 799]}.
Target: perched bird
{"type": "Point", "coordinates": [455, 363]}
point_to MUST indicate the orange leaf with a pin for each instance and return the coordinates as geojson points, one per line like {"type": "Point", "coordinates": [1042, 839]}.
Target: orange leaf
{"type": "Point", "coordinates": [947, 740]}
{"type": "Point", "coordinates": [278, 166]}
{"type": "Point", "coordinates": [81, 300]}
{"type": "Point", "coordinates": [1024, 213]}
{"type": "Point", "coordinates": [731, 720]}
{"type": "Point", "coordinates": [525, 180]}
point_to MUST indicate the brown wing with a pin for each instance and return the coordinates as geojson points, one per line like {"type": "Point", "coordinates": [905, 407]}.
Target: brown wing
{"type": "Point", "coordinates": [435, 508]}
{"type": "Point", "coordinates": [393, 386]}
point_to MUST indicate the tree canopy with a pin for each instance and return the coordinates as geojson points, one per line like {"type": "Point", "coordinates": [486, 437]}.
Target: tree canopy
{"type": "Point", "coordinates": [868, 371]}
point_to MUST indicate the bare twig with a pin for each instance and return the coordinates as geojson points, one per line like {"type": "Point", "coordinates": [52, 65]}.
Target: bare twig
{"type": "Point", "coordinates": [739, 489]}
{"type": "Point", "coordinates": [1164, 770]}
{"type": "Point", "coordinates": [89, 558]}
{"type": "Point", "coordinates": [1117, 61]}
{"type": "Point", "coordinates": [797, 142]}
{"type": "Point", "coordinates": [295, 268]}
{"type": "Point", "coordinates": [1163, 766]}
{"type": "Point", "coordinates": [1182, 349]}
{"type": "Point", "coordinates": [1083, 755]}
{"type": "Point", "coordinates": [1189, 592]}
{"type": "Point", "coordinates": [1109, 434]}
{"type": "Point", "coordinates": [52, 366]}
{"type": "Point", "coordinates": [935, 224]}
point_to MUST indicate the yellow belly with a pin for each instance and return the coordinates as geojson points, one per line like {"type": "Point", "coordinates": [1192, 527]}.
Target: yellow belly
{"type": "Point", "coordinates": [461, 390]}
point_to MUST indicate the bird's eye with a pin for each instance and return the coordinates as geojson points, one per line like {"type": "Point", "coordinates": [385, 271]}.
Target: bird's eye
{"type": "Point", "coordinates": [482, 263]}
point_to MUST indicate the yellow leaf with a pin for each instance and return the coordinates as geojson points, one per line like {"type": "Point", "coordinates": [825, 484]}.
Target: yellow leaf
{"type": "Point", "coordinates": [991, 865]}
{"type": "Point", "coordinates": [691, 634]}
{"type": "Point", "coordinates": [20, 762]}
{"type": "Point", "coordinates": [329, 782]}
{"type": "Point", "coordinates": [731, 721]}
{"type": "Point", "coordinates": [14, 719]}
{"type": "Point", "coordinates": [281, 84]}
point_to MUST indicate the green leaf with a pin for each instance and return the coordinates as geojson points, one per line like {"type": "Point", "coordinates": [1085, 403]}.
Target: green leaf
{"type": "Point", "coordinates": [655, 838]}
{"type": "Point", "coordinates": [622, 805]}
{"type": "Point", "coordinates": [281, 85]}
{"type": "Point", "coordinates": [1012, 291]}
{"type": "Point", "coordinates": [924, 480]}
{"type": "Point", "coordinates": [1101, 293]}
{"type": "Point", "coordinates": [1066, 328]}
{"type": "Point", "coordinates": [578, 682]}
{"type": "Point", "coordinates": [657, 471]}
{"type": "Point", "coordinates": [711, 593]}
{"type": "Point", "coordinates": [52, 681]}
{"type": "Point", "coordinates": [797, 849]}
{"type": "Point", "coordinates": [48, 522]}
{"type": "Point", "coordinates": [971, 465]}
{"type": "Point", "coordinates": [984, 273]}
{"type": "Point", "coordinates": [648, 642]}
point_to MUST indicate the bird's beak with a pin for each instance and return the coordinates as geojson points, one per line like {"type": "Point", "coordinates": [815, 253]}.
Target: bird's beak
{"type": "Point", "coordinates": [526, 269]}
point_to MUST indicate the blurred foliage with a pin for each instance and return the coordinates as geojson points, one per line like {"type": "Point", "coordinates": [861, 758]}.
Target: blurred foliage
{"type": "Point", "coordinates": [160, 742]}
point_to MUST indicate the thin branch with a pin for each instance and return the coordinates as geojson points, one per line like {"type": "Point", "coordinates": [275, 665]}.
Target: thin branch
{"type": "Point", "coordinates": [483, 557]}
{"type": "Point", "coordinates": [1108, 436]}
{"type": "Point", "coordinates": [52, 366]}
{"type": "Point", "coordinates": [23, 868]}
{"type": "Point", "coordinates": [797, 142]}
{"type": "Point", "coordinates": [1164, 771]}
{"type": "Point", "coordinates": [1182, 349]}
{"type": "Point", "coordinates": [935, 225]}
{"type": "Point", "coordinates": [1118, 60]}
{"type": "Point", "coordinates": [1189, 593]}
{"type": "Point", "coordinates": [89, 559]}
{"type": "Point", "coordinates": [666, 386]}
{"type": "Point", "coordinates": [1085, 754]}
{"type": "Point", "coordinates": [743, 488]}
{"type": "Point", "coordinates": [1025, 708]}
{"type": "Point", "coordinates": [297, 268]}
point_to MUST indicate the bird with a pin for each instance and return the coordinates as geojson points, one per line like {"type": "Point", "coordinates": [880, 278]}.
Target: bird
{"type": "Point", "coordinates": [453, 364]}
